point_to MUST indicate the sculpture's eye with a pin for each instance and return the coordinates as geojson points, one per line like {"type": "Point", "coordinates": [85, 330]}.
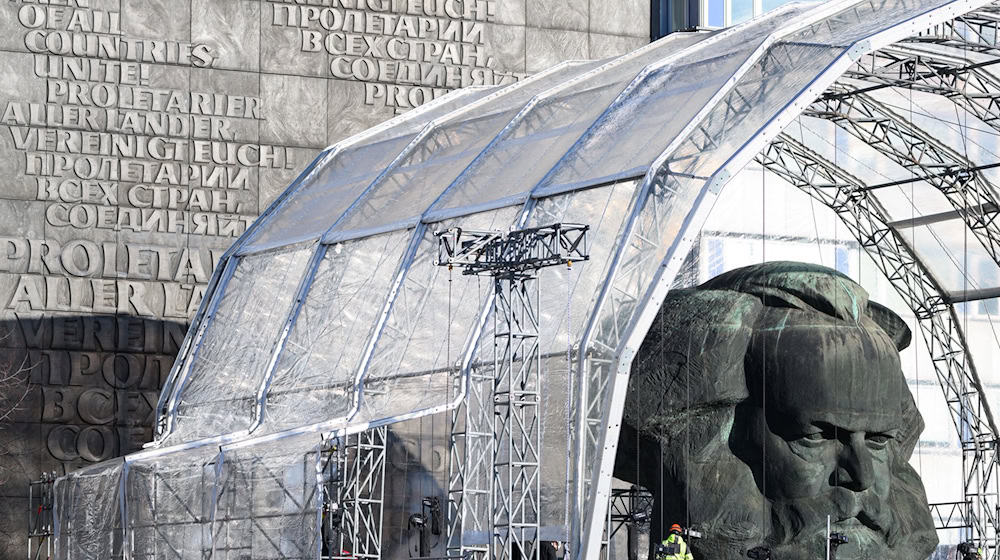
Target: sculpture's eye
{"type": "Point", "coordinates": [878, 441]}
{"type": "Point", "coordinates": [813, 439]}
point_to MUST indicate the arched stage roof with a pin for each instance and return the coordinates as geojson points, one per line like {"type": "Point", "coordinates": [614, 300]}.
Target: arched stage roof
{"type": "Point", "coordinates": [330, 315]}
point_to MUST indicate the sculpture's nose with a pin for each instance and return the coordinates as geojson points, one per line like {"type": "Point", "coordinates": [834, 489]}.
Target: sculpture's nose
{"type": "Point", "coordinates": [854, 464]}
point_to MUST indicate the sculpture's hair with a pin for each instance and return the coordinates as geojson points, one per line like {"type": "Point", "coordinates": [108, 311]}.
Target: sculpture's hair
{"type": "Point", "coordinates": [692, 362]}
{"type": "Point", "coordinates": [810, 287]}
{"type": "Point", "coordinates": [694, 354]}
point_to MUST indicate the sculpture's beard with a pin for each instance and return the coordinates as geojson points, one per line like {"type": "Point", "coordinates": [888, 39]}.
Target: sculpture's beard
{"type": "Point", "coordinates": [799, 526]}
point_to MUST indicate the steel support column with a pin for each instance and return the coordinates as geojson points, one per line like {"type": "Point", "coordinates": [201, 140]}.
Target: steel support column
{"type": "Point", "coordinates": [868, 221]}
{"type": "Point", "coordinates": [516, 418]}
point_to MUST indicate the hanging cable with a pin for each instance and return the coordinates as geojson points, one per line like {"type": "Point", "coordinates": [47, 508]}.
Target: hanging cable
{"type": "Point", "coordinates": [965, 274]}
{"type": "Point", "coordinates": [916, 357]}
{"type": "Point", "coordinates": [836, 304]}
{"type": "Point", "coordinates": [687, 438]}
{"type": "Point", "coordinates": [569, 396]}
{"type": "Point", "coordinates": [763, 364]}
{"type": "Point", "coordinates": [663, 362]}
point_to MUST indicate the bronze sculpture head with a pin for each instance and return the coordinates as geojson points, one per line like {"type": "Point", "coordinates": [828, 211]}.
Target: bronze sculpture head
{"type": "Point", "coordinates": [768, 399]}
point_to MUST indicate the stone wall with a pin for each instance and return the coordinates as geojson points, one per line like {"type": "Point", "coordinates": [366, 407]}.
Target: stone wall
{"type": "Point", "coordinates": [139, 138]}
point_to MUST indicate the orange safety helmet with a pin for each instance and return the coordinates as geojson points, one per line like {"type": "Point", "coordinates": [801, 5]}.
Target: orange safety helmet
{"type": "Point", "coordinates": [675, 528]}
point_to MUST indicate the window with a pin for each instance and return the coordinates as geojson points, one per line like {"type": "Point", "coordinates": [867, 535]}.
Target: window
{"type": "Point", "coordinates": [716, 261]}
{"type": "Point", "coordinates": [716, 13]}
{"type": "Point", "coordinates": [987, 278]}
{"type": "Point", "coordinates": [740, 10]}
{"type": "Point", "coordinates": [842, 260]}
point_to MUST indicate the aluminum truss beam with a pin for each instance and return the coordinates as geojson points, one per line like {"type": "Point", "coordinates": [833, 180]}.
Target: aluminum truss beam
{"type": "Point", "coordinates": [503, 409]}
{"type": "Point", "coordinates": [969, 193]}
{"type": "Point", "coordinates": [950, 515]}
{"type": "Point", "coordinates": [354, 495]}
{"type": "Point", "coordinates": [966, 84]}
{"type": "Point", "coordinates": [977, 31]}
{"type": "Point", "coordinates": [868, 221]}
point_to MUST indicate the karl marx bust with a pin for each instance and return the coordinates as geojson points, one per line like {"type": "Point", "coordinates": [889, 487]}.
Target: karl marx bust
{"type": "Point", "coordinates": [767, 399]}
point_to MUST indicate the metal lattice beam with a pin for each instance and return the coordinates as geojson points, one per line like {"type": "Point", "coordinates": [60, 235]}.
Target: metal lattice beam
{"type": "Point", "coordinates": [628, 509]}
{"type": "Point", "coordinates": [41, 524]}
{"type": "Point", "coordinates": [977, 31]}
{"type": "Point", "coordinates": [898, 139]}
{"type": "Point", "coordinates": [470, 473]}
{"type": "Point", "coordinates": [951, 515]}
{"type": "Point", "coordinates": [869, 222]}
{"type": "Point", "coordinates": [516, 420]}
{"type": "Point", "coordinates": [965, 83]}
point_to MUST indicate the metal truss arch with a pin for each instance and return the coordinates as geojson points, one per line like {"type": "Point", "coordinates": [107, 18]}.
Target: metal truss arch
{"type": "Point", "coordinates": [869, 222]}
{"type": "Point", "coordinates": [965, 83]}
{"type": "Point", "coordinates": [975, 31]}
{"type": "Point", "coordinates": [970, 194]}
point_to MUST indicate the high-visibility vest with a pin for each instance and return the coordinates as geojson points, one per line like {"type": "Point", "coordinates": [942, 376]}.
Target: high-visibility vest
{"type": "Point", "coordinates": [677, 549]}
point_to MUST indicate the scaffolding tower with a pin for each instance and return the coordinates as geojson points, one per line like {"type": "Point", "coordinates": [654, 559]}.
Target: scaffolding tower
{"type": "Point", "coordinates": [354, 493]}
{"type": "Point", "coordinates": [501, 413]}
{"type": "Point", "coordinates": [630, 509]}
{"type": "Point", "coordinates": [41, 529]}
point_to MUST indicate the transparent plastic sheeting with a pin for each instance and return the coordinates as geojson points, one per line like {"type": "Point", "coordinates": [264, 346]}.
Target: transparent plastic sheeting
{"type": "Point", "coordinates": [236, 503]}
{"type": "Point", "coordinates": [87, 513]}
{"type": "Point", "coordinates": [345, 171]}
{"type": "Point", "coordinates": [315, 373]}
{"type": "Point", "coordinates": [219, 393]}
{"type": "Point", "coordinates": [538, 138]}
{"type": "Point", "coordinates": [426, 169]}
{"type": "Point", "coordinates": [333, 314]}
{"type": "Point", "coordinates": [170, 502]}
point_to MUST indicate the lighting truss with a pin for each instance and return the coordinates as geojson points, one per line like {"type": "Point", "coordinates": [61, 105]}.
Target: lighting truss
{"type": "Point", "coordinates": [354, 496]}
{"type": "Point", "coordinates": [973, 198]}
{"type": "Point", "coordinates": [523, 251]}
{"type": "Point", "coordinates": [470, 468]}
{"type": "Point", "coordinates": [502, 410]}
{"type": "Point", "coordinates": [869, 222]}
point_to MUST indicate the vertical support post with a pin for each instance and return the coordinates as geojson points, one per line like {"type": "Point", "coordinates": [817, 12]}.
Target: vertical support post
{"type": "Point", "coordinates": [471, 477]}
{"type": "Point", "coordinates": [356, 485]}
{"type": "Point", "coordinates": [40, 520]}
{"type": "Point", "coordinates": [516, 418]}
{"type": "Point", "coordinates": [457, 458]}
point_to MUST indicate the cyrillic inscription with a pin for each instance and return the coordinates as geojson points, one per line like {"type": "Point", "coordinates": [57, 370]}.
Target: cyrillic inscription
{"type": "Point", "coordinates": [406, 52]}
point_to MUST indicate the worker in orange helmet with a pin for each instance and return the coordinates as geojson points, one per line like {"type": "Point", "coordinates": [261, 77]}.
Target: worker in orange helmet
{"type": "Point", "coordinates": [673, 547]}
